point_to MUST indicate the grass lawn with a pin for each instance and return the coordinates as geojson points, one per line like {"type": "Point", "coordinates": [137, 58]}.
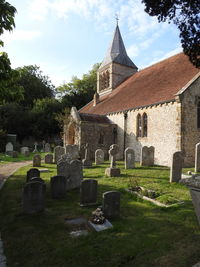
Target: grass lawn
{"type": "Point", "coordinates": [7, 159]}
{"type": "Point", "coordinates": [144, 235]}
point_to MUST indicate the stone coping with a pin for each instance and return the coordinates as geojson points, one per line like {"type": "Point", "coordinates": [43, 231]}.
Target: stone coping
{"type": "Point", "coordinates": [157, 203]}
{"type": "Point", "coordinates": [191, 182]}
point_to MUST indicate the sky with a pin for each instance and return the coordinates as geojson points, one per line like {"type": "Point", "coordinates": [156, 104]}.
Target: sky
{"type": "Point", "coordinates": [66, 38]}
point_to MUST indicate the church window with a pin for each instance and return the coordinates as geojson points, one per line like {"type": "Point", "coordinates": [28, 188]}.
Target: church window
{"type": "Point", "coordinates": [139, 125]}
{"type": "Point", "coordinates": [144, 121]}
{"type": "Point", "coordinates": [107, 79]}
{"type": "Point", "coordinates": [198, 115]}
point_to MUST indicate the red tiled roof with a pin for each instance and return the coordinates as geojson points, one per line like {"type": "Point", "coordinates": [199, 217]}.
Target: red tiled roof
{"type": "Point", "coordinates": [157, 83]}
{"type": "Point", "coordinates": [94, 118]}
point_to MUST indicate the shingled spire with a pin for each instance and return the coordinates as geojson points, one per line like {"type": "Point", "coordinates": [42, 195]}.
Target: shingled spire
{"type": "Point", "coordinates": [116, 66]}
{"type": "Point", "coordinates": [117, 52]}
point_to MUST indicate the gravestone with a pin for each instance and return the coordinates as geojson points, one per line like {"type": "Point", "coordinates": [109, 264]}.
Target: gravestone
{"type": "Point", "coordinates": [36, 179]}
{"type": "Point", "coordinates": [33, 172]}
{"type": "Point", "coordinates": [113, 171]}
{"type": "Point", "coordinates": [73, 171]}
{"type": "Point", "coordinates": [47, 148]}
{"type": "Point", "coordinates": [36, 160]}
{"type": "Point", "coordinates": [58, 186]}
{"type": "Point", "coordinates": [147, 156]}
{"type": "Point", "coordinates": [88, 192]}
{"type": "Point", "coordinates": [24, 150]}
{"type": "Point", "coordinates": [35, 147]}
{"type": "Point", "coordinates": [9, 148]}
{"type": "Point", "coordinates": [176, 167]}
{"type": "Point", "coordinates": [72, 151]}
{"type": "Point", "coordinates": [111, 204]}
{"type": "Point", "coordinates": [58, 152]}
{"type": "Point", "coordinates": [33, 199]}
{"type": "Point", "coordinates": [48, 159]}
{"type": "Point", "coordinates": [99, 156]}
{"type": "Point", "coordinates": [129, 158]}
{"type": "Point", "coordinates": [86, 161]}
{"type": "Point", "coordinates": [197, 158]}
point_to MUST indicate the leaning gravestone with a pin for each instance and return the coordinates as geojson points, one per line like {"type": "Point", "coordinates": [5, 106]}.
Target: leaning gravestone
{"type": "Point", "coordinates": [48, 159]}
{"type": "Point", "coordinates": [72, 151]}
{"type": "Point", "coordinates": [73, 171]}
{"type": "Point", "coordinates": [9, 148]}
{"type": "Point", "coordinates": [129, 158]}
{"type": "Point", "coordinates": [113, 171]}
{"type": "Point", "coordinates": [99, 156]}
{"type": "Point", "coordinates": [147, 156]}
{"type": "Point", "coordinates": [58, 186]}
{"type": "Point", "coordinates": [33, 199]}
{"type": "Point", "coordinates": [88, 192]}
{"type": "Point", "coordinates": [86, 161]}
{"type": "Point", "coordinates": [47, 148]}
{"type": "Point", "coordinates": [176, 167]}
{"type": "Point", "coordinates": [33, 172]}
{"type": "Point", "coordinates": [58, 152]}
{"type": "Point", "coordinates": [36, 160]}
{"type": "Point", "coordinates": [197, 158]}
{"type": "Point", "coordinates": [111, 204]}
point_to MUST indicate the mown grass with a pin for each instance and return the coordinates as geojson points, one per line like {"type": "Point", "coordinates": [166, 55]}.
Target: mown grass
{"type": "Point", "coordinates": [7, 159]}
{"type": "Point", "coordinates": [144, 235]}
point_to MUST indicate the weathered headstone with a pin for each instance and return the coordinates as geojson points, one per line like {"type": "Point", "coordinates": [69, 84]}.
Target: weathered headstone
{"type": "Point", "coordinates": [58, 186]}
{"type": "Point", "coordinates": [33, 172]}
{"type": "Point", "coordinates": [35, 147]}
{"type": "Point", "coordinates": [99, 156]}
{"type": "Point", "coordinates": [72, 151]}
{"type": "Point", "coordinates": [73, 171]}
{"type": "Point", "coordinates": [86, 161]}
{"type": "Point", "coordinates": [88, 192]}
{"type": "Point", "coordinates": [197, 158]}
{"type": "Point", "coordinates": [129, 158]}
{"type": "Point", "coordinates": [48, 159]}
{"type": "Point", "coordinates": [9, 148]}
{"type": "Point", "coordinates": [58, 152]}
{"type": "Point", "coordinates": [36, 160]}
{"type": "Point", "coordinates": [113, 171]}
{"type": "Point", "coordinates": [147, 156]}
{"type": "Point", "coordinates": [33, 199]}
{"type": "Point", "coordinates": [176, 167]}
{"type": "Point", "coordinates": [24, 150]}
{"type": "Point", "coordinates": [47, 148]}
{"type": "Point", "coordinates": [111, 204]}
{"type": "Point", "coordinates": [36, 179]}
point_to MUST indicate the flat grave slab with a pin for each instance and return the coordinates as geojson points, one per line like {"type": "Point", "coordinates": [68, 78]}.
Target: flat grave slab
{"type": "Point", "coordinates": [100, 227]}
{"type": "Point", "coordinates": [79, 233]}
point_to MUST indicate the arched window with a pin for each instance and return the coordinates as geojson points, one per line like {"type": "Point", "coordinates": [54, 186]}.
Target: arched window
{"type": "Point", "coordinates": [139, 125]}
{"type": "Point", "coordinates": [144, 122]}
{"type": "Point", "coordinates": [198, 115]}
{"type": "Point", "coordinates": [71, 135]}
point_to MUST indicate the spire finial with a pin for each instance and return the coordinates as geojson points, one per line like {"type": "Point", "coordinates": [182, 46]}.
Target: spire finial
{"type": "Point", "coordinates": [117, 18]}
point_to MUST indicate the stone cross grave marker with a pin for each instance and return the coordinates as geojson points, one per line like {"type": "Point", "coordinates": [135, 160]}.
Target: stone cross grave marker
{"type": "Point", "coordinates": [111, 204]}
{"type": "Point", "coordinates": [99, 156]}
{"type": "Point", "coordinates": [113, 171]}
{"type": "Point", "coordinates": [36, 160]}
{"type": "Point", "coordinates": [197, 158]}
{"type": "Point", "coordinates": [48, 159]}
{"type": "Point", "coordinates": [176, 167]}
{"type": "Point", "coordinates": [58, 152]}
{"type": "Point", "coordinates": [33, 199]}
{"type": "Point", "coordinates": [129, 158]}
{"type": "Point", "coordinates": [147, 156]}
{"type": "Point", "coordinates": [58, 186]}
{"type": "Point", "coordinates": [35, 147]}
{"type": "Point", "coordinates": [86, 161]}
{"type": "Point", "coordinates": [88, 192]}
{"type": "Point", "coordinates": [33, 172]}
{"type": "Point", "coordinates": [73, 171]}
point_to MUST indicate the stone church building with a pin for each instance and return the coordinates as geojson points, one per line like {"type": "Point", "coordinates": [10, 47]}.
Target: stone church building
{"type": "Point", "coordinates": [157, 106]}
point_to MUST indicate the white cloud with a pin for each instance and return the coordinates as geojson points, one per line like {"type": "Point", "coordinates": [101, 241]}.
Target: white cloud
{"type": "Point", "coordinates": [133, 51]}
{"type": "Point", "coordinates": [20, 35]}
{"type": "Point", "coordinates": [38, 9]}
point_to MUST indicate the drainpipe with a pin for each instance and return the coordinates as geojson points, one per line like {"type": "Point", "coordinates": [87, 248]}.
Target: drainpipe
{"type": "Point", "coordinates": [125, 129]}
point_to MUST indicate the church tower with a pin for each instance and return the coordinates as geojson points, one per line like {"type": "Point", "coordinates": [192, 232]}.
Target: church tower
{"type": "Point", "coordinates": [116, 66]}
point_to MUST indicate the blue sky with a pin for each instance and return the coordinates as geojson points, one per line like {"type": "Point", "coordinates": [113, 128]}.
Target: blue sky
{"type": "Point", "coordinates": [67, 37]}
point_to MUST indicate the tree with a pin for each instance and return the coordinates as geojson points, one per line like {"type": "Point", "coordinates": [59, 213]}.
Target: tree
{"type": "Point", "coordinates": [185, 14]}
{"type": "Point", "coordinates": [35, 85]}
{"type": "Point", "coordinates": [79, 92]}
